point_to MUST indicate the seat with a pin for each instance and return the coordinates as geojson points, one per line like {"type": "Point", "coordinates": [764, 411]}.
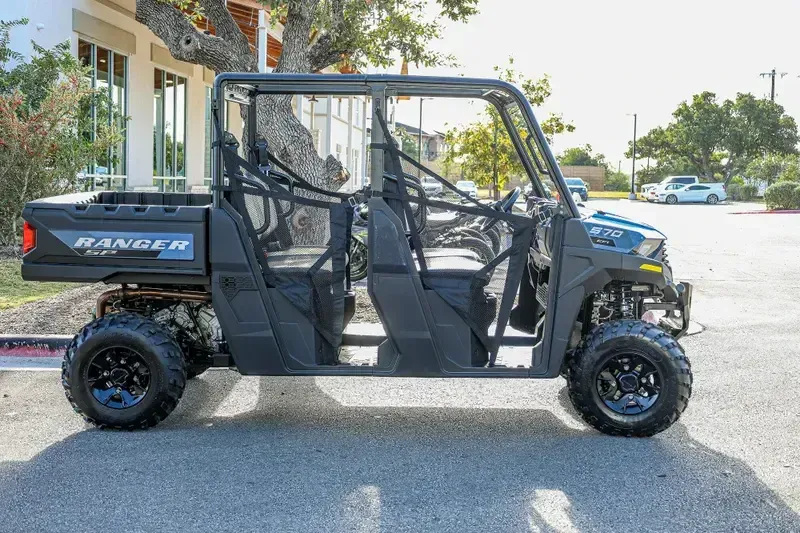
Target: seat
{"type": "Point", "coordinates": [456, 280]}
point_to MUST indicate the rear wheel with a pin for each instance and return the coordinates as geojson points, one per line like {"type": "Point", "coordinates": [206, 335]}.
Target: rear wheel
{"type": "Point", "coordinates": [712, 199]}
{"type": "Point", "coordinates": [672, 199]}
{"type": "Point", "coordinates": [494, 236]}
{"type": "Point", "coordinates": [629, 378]}
{"type": "Point", "coordinates": [479, 246]}
{"type": "Point", "coordinates": [123, 371]}
{"type": "Point", "coordinates": [358, 260]}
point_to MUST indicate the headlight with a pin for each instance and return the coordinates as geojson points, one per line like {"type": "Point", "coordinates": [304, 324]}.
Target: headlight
{"type": "Point", "coordinates": [648, 246]}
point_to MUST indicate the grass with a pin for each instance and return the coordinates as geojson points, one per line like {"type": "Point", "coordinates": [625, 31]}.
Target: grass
{"type": "Point", "coordinates": [14, 291]}
{"type": "Point", "coordinates": [608, 194]}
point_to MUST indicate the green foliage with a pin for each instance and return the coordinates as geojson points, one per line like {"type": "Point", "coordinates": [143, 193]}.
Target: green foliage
{"type": "Point", "coordinates": [773, 167]}
{"type": "Point", "coordinates": [738, 180]}
{"type": "Point", "coordinates": [749, 192]}
{"type": "Point", "coordinates": [373, 32]}
{"type": "Point", "coordinates": [408, 143]}
{"type": "Point", "coordinates": [473, 145]}
{"type": "Point", "coordinates": [735, 191]}
{"type": "Point", "coordinates": [617, 181]}
{"type": "Point", "coordinates": [720, 139]}
{"type": "Point", "coordinates": [582, 156]}
{"type": "Point", "coordinates": [783, 195]}
{"type": "Point", "coordinates": [45, 128]}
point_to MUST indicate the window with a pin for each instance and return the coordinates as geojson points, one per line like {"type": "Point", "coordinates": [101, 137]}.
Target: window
{"type": "Point", "coordinates": [169, 131]}
{"type": "Point", "coordinates": [684, 180]}
{"type": "Point", "coordinates": [339, 152]}
{"type": "Point", "coordinates": [109, 73]}
{"type": "Point", "coordinates": [674, 186]}
{"type": "Point", "coordinates": [355, 162]}
{"type": "Point", "coordinates": [339, 107]}
{"type": "Point", "coordinates": [357, 105]}
{"type": "Point", "coordinates": [697, 188]}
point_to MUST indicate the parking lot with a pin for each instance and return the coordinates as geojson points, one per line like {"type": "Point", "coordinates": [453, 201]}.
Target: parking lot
{"type": "Point", "coordinates": [371, 454]}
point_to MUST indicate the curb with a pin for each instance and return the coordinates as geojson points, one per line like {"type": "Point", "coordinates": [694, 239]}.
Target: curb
{"type": "Point", "coordinates": [34, 346]}
{"type": "Point", "coordinates": [765, 212]}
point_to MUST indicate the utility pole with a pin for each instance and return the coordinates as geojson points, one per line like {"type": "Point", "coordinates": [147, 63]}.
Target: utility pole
{"type": "Point", "coordinates": [632, 195]}
{"type": "Point", "coordinates": [419, 144]}
{"type": "Point", "coordinates": [772, 75]}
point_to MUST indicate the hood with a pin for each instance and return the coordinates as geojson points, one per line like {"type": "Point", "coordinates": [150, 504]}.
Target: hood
{"type": "Point", "coordinates": [616, 232]}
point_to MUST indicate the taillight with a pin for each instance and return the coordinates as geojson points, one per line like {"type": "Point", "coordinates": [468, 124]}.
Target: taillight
{"type": "Point", "coordinates": [28, 238]}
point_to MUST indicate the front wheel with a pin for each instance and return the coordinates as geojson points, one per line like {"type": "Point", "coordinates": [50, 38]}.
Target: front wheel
{"type": "Point", "coordinates": [629, 378]}
{"type": "Point", "coordinates": [712, 199]}
{"type": "Point", "coordinates": [672, 199]}
{"type": "Point", "coordinates": [358, 259]}
{"type": "Point", "coordinates": [123, 371]}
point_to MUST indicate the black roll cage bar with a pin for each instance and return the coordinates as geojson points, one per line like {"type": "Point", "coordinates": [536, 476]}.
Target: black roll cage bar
{"type": "Point", "coordinates": [243, 87]}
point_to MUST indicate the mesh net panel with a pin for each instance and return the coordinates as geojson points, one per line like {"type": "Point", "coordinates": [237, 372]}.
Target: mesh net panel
{"type": "Point", "coordinates": [300, 243]}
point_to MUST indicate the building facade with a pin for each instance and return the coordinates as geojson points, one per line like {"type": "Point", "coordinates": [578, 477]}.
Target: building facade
{"type": "Point", "coordinates": [168, 102]}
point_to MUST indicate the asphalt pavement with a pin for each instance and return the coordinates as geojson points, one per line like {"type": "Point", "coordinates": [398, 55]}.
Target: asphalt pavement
{"type": "Point", "coordinates": [384, 454]}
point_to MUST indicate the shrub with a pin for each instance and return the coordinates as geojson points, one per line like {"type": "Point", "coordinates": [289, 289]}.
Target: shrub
{"type": "Point", "coordinates": [783, 195]}
{"type": "Point", "coordinates": [735, 192]}
{"type": "Point", "coordinates": [748, 192]}
{"type": "Point", "coordinates": [738, 180]}
{"type": "Point", "coordinates": [45, 128]}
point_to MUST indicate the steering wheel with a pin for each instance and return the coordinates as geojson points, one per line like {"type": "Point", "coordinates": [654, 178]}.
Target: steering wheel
{"type": "Point", "coordinates": [504, 205]}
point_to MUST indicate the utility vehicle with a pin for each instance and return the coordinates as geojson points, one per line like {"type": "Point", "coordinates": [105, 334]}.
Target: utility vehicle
{"type": "Point", "coordinates": [255, 275]}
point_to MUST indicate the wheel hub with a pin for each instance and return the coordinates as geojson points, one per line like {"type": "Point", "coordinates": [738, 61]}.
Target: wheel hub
{"type": "Point", "coordinates": [118, 377]}
{"type": "Point", "coordinates": [629, 384]}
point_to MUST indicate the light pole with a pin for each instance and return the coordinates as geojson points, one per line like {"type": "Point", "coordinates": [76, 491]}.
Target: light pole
{"type": "Point", "coordinates": [632, 195]}
{"type": "Point", "coordinates": [419, 144]}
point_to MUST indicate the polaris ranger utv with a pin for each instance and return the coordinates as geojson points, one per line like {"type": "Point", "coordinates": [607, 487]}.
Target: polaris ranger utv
{"type": "Point", "coordinates": [255, 275]}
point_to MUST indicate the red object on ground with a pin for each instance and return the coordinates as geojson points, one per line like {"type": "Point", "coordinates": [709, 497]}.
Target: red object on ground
{"type": "Point", "coordinates": [765, 212]}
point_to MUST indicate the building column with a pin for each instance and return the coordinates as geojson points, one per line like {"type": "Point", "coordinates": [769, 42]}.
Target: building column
{"type": "Point", "coordinates": [328, 127]}
{"type": "Point", "coordinates": [349, 157]}
{"type": "Point", "coordinates": [364, 141]}
{"type": "Point", "coordinates": [140, 108]}
{"type": "Point", "coordinates": [195, 129]}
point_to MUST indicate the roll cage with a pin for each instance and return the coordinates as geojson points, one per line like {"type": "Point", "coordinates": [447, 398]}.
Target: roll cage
{"type": "Point", "coordinates": [532, 149]}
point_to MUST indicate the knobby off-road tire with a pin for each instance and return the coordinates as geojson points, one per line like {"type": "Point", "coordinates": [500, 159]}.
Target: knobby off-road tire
{"type": "Point", "coordinates": [610, 340]}
{"type": "Point", "coordinates": [479, 246]}
{"type": "Point", "coordinates": [358, 260]}
{"type": "Point", "coordinates": [128, 333]}
{"type": "Point", "coordinates": [494, 236]}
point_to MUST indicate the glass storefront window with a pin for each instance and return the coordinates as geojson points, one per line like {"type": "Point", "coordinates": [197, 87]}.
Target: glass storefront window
{"type": "Point", "coordinates": [169, 130]}
{"type": "Point", "coordinates": [109, 74]}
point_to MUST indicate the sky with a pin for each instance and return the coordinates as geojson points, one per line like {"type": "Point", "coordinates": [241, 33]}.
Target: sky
{"type": "Point", "coordinates": [611, 58]}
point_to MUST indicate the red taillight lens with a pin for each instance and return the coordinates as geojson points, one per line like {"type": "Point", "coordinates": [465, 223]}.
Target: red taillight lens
{"type": "Point", "coordinates": [28, 238]}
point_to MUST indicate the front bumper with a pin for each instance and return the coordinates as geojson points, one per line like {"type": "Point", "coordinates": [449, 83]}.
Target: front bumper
{"type": "Point", "coordinates": [677, 303]}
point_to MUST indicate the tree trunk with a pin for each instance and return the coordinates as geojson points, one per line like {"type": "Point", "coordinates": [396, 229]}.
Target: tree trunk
{"type": "Point", "coordinates": [229, 51]}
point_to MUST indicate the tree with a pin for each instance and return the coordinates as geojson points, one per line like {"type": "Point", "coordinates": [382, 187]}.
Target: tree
{"type": "Point", "coordinates": [582, 156]}
{"type": "Point", "coordinates": [473, 145]}
{"type": "Point", "coordinates": [317, 34]}
{"type": "Point", "coordinates": [719, 140]}
{"type": "Point", "coordinates": [773, 167]}
{"type": "Point", "coordinates": [47, 134]}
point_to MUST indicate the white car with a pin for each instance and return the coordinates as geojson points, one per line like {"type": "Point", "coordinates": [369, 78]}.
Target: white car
{"type": "Point", "coordinates": [674, 193]}
{"type": "Point", "coordinates": [650, 190]}
{"type": "Point", "coordinates": [431, 186]}
{"type": "Point", "coordinates": [468, 187]}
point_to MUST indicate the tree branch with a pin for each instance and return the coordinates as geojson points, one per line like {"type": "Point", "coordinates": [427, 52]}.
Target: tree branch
{"type": "Point", "coordinates": [224, 24]}
{"type": "Point", "coordinates": [186, 43]}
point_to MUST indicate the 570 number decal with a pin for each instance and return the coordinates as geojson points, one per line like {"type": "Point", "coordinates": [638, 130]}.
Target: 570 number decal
{"type": "Point", "coordinates": [605, 232]}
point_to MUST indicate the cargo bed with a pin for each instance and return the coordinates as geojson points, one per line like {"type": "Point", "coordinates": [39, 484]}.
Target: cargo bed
{"type": "Point", "coordinates": [119, 237]}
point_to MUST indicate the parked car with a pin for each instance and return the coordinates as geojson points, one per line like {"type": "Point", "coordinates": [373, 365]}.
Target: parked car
{"type": "Point", "coordinates": [468, 187]}
{"type": "Point", "coordinates": [649, 191]}
{"type": "Point", "coordinates": [431, 186]}
{"type": "Point", "coordinates": [577, 185]}
{"type": "Point", "coordinates": [710, 193]}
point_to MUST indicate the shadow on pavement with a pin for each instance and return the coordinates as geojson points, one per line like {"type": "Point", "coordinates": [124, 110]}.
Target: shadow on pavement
{"type": "Point", "coordinates": [297, 460]}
